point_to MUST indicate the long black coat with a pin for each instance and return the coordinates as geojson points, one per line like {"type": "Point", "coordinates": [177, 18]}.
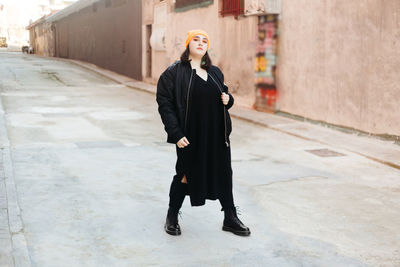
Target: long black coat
{"type": "Point", "coordinates": [173, 99]}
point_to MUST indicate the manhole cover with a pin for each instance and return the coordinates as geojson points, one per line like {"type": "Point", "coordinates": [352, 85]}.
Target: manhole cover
{"type": "Point", "coordinates": [325, 153]}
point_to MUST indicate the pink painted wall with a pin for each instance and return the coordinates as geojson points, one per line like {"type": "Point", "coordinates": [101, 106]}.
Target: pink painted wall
{"type": "Point", "coordinates": [339, 62]}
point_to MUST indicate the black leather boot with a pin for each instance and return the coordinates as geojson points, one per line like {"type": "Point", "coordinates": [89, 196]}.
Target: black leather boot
{"type": "Point", "coordinates": [171, 224]}
{"type": "Point", "coordinates": [233, 224]}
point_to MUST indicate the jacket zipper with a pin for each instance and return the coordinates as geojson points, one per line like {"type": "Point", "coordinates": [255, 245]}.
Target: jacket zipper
{"type": "Point", "coordinates": [187, 100]}
{"type": "Point", "coordinates": [219, 87]}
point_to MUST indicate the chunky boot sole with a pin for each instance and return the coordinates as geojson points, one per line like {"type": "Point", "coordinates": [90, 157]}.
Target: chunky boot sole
{"type": "Point", "coordinates": [171, 232]}
{"type": "Point", "coordinates": [236, 232]}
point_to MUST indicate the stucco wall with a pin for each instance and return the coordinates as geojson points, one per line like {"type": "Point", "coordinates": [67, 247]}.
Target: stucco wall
{"type": "Point", "coordinates": [108, 36]}
{"type": "Point", "coordinates": [232, 45]}
{"type": "Point", "coordinates": [43, 43]}
{"type": "Point", "coordinates": [339, 62]}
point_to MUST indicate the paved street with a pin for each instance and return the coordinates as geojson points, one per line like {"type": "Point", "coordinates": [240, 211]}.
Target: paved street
{"type": "Point", "coordinates": [91, 171]}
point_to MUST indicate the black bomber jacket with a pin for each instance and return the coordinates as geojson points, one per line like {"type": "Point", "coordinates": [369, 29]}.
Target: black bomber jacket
{"type": "Point", "coordinates": [173, 98]}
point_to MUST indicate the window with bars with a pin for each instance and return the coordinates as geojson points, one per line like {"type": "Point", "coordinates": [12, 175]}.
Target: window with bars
{"type": "Point", "coordinates": [232, 7]}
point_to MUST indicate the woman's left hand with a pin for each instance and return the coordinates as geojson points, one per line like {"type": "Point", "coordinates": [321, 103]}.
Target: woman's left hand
{"type": "Point", "coordinates": [225, 98]}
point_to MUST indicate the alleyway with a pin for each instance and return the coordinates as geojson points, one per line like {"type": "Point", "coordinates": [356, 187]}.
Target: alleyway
{"type": "Point", "coordinates": [92, 172]}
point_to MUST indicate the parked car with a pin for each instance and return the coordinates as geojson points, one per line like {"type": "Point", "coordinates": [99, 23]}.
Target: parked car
{"type": "Point", "coordinates": [3, 42]}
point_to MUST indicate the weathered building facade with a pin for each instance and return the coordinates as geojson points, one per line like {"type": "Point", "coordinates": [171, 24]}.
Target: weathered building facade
{"type": "Point", "coordinates": [232, 41]}
{"type": "Point", "coordinates": [103, 32]}
{"type": "Point", "coordinates": [332, 61]}
{"type": "Point", "coordinates": [42, 37]}
{"type": "Point", "coordinates": [339, 63]}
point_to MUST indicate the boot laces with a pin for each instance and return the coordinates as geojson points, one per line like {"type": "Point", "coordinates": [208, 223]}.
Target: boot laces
{"type": "Point", "coordinates": [173, 217]}
{"type": "Point", "coordinates": [237, 210]}
{"type": "Point", "coordinates": [177, 220]}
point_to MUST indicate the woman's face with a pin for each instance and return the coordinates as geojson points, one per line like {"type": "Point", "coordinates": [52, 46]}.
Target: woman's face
{"type": "Point", "coordinates": [198, 45]}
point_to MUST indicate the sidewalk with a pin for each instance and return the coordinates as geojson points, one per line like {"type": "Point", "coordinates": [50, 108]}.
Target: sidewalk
{"type": "Point", "coordinates": [13, 247]}
{"type": "Point", "coordinates": [5, 236]}
{"type": "Point", "coordinates": [382, 151]}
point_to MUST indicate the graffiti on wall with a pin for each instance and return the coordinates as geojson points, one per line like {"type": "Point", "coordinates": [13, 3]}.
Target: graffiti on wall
{"type": "Point", "coordinates": [265, 65]}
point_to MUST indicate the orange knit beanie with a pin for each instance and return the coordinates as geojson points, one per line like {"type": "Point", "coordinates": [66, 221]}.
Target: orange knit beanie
{"type": "Point", "coordinates": [193, 33]}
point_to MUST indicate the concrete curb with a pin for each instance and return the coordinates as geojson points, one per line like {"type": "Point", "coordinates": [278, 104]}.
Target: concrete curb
{"type": "Point", "coordinates": [20, 252]}
{"type": "Point", "coordinates": [382, 152]}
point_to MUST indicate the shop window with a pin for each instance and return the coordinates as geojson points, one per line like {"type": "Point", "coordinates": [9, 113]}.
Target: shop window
{"type": "Point", "coordinates": [232, 8]}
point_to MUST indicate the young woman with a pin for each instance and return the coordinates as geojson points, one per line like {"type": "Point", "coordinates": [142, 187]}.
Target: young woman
{"type": "Point", "coordinates": [193, 102]}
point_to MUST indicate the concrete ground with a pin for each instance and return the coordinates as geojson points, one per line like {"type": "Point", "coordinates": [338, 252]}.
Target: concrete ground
{"type": "Point", "coordinates": [86, 173]}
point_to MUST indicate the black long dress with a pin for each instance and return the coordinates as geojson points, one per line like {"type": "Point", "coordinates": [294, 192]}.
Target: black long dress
{"type": "Point", "coordinates": [206, 161]}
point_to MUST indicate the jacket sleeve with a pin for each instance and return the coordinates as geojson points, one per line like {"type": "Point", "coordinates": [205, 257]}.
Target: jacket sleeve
{"type": "Point", "coordinates": [225, 87]}
{"type": "Point", "coordinates": [166, 106]}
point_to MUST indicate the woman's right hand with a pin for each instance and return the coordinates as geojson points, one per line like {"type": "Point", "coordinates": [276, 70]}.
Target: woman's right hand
{"type": "Point", "coordinates": [183, 142]}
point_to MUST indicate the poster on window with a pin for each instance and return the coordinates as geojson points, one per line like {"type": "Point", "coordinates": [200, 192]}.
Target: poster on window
{"type": "Point", "coordinates": [266, 62]}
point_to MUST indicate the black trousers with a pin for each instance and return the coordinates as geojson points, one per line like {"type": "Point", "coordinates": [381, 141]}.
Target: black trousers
{"type": "Point", "coordinates": [178, 192]}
